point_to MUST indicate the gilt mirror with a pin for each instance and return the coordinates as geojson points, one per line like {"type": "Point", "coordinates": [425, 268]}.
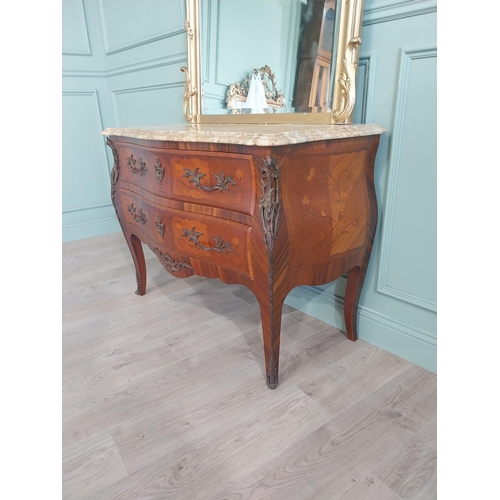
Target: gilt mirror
{"type": "Point", "coordinates": [271, 61]}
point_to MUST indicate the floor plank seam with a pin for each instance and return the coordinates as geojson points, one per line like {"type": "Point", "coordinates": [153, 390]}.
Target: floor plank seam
{"type": "Point", "coordinates": [172, 351]}
{"type": "Point", "coordinates": [119, 454]}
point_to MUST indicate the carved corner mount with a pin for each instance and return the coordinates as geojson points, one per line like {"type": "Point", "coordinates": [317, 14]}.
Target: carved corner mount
{"type": "Point", "coordinates": [346, 79]}
{"type": "Point", "coordinates": [270, 201]}
{"type": "Point", "coordinates": [270, 208]}
{"type": "Point", "coordinates": [115, 171]}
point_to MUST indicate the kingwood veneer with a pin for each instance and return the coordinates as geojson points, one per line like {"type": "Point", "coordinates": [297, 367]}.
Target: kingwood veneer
{"type": "Point", "coordinates": [251, 207]}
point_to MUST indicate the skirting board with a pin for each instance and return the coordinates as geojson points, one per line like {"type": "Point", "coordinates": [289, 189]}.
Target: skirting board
{"type": "Point", "coordinates": [89, 229]}
{"type": "Point", "coordinates": [373, 327]}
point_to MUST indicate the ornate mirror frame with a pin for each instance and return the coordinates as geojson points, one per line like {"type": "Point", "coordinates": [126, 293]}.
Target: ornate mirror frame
{"type": "Point", "coordinates": [344, 86]}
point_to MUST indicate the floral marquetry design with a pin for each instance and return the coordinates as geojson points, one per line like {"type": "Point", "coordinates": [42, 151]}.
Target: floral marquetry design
{"type": "Point", "coordinates": [327, 206]}
{"type": "Point", "coordinates": [340, 224]}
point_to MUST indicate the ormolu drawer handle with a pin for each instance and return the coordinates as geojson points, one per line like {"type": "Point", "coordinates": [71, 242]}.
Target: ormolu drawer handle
{"type": "Point", "coordinates": [137, 215]}
{"type": "Point", "coordinates": [222, 180]}
{"type": "Point", "coordinates": [141, 169]}
{"type": "Point", "coordinates": [221, 246]}
{"type": "Point", "coordinates": [170, 263]}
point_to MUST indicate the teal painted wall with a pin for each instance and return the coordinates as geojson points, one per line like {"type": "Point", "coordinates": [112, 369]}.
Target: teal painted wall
{"type": "Point", "coordinates": [396, 89]}
{"type": "Point", "coordinates": [121, 67]}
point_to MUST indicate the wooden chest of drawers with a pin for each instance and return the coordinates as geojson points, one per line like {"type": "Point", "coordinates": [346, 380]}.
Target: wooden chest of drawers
{"type": "Point", "coordinates": [271, 216]}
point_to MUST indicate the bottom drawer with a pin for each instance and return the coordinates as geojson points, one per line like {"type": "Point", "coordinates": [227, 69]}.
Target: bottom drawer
{"type": "Point", "coordinates": [218, 241]}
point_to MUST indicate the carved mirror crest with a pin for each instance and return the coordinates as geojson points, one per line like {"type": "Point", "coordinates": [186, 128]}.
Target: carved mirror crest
{"type": "Point", "coordinates": [304, 51]}
{"type": "Point", "coordinates": [237, 95]}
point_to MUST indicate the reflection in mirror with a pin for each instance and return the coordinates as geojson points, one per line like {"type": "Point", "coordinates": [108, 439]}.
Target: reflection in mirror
{"type": "Point", "coordinates": [314, 54]}
{"type": "Point", "coordinates": [256, 94]}
{"type": "Point", "coordinates": [292, 40]}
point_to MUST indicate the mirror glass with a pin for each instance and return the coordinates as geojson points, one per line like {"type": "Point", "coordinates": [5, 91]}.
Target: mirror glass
{"type": "Point", "coordinates": [291, 43]}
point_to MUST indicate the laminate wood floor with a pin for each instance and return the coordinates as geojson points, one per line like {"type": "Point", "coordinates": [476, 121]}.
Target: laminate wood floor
{"type": "Point", "coordinates": [164, 396]}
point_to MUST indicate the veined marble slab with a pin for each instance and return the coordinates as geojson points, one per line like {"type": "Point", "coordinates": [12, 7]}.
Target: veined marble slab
{"type": "Point", "coordinates": [248, 135]}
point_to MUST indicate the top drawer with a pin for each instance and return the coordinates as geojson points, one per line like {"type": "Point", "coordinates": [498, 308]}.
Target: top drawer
{"type": "Point", "coordinates": [221, 180]}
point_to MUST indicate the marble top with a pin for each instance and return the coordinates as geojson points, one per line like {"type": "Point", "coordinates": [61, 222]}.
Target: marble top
{"type": "Point", "coordinates": [248, 135]}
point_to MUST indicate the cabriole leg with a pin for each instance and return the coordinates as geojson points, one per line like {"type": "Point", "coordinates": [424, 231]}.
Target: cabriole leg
{"type": "Point", "coordinates": [135, 246]}
{"type": "Point", "coordinates": [355, 279]}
